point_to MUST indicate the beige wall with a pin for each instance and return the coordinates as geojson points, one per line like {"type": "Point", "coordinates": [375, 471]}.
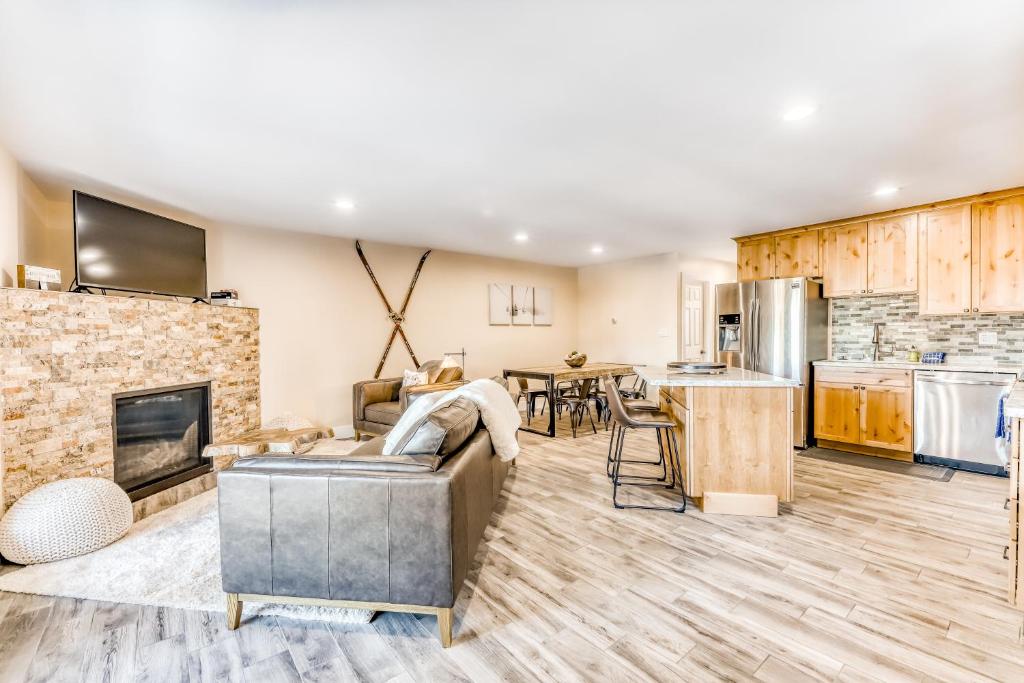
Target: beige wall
{"type": "Point", "coordinates": [9, 172]}
{"type": "Point", "coordinates": [629, 310]}
{"type": "Point", "coordinates": [323, 326]}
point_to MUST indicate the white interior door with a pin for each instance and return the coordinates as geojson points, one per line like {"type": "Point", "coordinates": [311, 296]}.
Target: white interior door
{"type": "Point", "coordinates": [693, 321]}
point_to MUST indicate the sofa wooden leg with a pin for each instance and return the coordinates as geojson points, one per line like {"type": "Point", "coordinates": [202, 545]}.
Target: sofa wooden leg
{"type": "Point", "coordinates": [444, 625]}
{"type": "Point", "coordinates": [234, 611]}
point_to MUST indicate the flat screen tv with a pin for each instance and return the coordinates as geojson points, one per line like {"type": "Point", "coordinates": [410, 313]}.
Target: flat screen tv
{"type": "Point", "coordinates": [121, 248]}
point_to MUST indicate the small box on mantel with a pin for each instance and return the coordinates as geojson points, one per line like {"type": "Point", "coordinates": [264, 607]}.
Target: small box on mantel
{"type": "Point", "coordinates": [37, 277]}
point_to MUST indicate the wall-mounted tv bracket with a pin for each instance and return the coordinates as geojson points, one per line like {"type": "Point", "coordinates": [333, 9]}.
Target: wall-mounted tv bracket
{"type": "Point", "coordinates": [397, 317]}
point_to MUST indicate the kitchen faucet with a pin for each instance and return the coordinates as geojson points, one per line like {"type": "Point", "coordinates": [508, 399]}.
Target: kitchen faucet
{"type": "Point", "coordinates": [876, 339]}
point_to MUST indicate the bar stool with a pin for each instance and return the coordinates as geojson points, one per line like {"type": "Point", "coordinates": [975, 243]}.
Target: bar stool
{"type": "Point", "coordinates": [668, 449]}
{"type": "Point", "coordinates": [630, 404]}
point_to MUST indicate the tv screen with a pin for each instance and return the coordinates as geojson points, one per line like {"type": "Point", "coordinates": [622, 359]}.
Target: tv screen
{"type": "Point", "coordinates": [118, 247]}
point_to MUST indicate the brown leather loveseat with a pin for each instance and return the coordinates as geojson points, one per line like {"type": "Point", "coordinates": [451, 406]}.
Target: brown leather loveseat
{"type": "Point", "coordinates": [378, 403]}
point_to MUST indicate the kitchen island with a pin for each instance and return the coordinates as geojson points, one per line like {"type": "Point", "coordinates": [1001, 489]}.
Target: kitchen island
{"type": "Point", "coordinates": [735, 433]}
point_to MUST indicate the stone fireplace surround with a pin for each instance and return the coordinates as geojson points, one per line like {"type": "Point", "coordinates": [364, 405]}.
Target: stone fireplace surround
{"type": "Point", "coordinates": [64, 355]}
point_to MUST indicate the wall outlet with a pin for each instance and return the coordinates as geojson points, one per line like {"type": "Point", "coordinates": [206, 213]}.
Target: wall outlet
{"type": "Point", "coordinates": [987, 338]}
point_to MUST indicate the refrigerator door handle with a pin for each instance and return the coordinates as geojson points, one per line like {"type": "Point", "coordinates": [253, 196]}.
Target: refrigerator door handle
{"type": "Point", "coordinates": [756, 336]}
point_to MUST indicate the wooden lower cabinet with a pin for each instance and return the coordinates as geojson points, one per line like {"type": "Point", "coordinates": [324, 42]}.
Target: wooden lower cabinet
{"type": "Point", "coordinates": [887, 417]}
{"type": "Point", "coordinates": [865, 411]}
{"type": "Point", "coordinates": [1014, 552]}
{"type": "Point", "coordinates": [837, 412]}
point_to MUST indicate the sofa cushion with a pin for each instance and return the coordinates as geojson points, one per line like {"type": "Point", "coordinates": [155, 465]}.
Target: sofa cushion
{"type": "Point", "coordinates": [444, 430]}
{"type": "Point", "coordinates": [386, 412]}
{"type": "Point", "coordinates": [325, 464]}
{"type": "Point", "coordinates": [452, 374]}
{"type": "Point", "coordinates": [413, 378]}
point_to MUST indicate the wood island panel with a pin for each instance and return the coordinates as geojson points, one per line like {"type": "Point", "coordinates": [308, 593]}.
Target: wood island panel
{"type": "Point", "coordinates": [736, 445]}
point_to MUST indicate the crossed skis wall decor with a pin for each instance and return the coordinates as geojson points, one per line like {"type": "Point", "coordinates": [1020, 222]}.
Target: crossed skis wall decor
{"type": "Point", "coordinates": [396, 317]}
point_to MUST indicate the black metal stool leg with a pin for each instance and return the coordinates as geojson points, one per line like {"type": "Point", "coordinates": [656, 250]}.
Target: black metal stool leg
{"type": "Point", "coordinates": [670, 460]}
{"type": "Point", "coordinates": [659, 461]}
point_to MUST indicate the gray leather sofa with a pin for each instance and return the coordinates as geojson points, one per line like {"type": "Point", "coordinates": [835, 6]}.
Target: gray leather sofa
{"type": "Point", "coordinates": [363, 530]}
{"type": "Point", "coordinates": [378, 403]}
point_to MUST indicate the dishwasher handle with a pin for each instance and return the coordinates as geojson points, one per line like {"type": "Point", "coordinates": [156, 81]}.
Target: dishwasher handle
{"type": "Point", "coordinates": [994, 383]}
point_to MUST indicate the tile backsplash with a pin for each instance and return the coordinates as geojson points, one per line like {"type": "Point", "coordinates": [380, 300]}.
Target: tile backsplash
{"type": "Point", "coordinates": [853, 323]}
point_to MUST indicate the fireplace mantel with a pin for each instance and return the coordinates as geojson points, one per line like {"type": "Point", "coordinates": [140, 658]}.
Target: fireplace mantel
{"type": "Point", "coordinates": [64, 355]}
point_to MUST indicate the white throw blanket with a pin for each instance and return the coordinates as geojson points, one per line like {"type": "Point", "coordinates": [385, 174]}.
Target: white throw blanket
{"type": "Point", "coordinates": [497, 409]}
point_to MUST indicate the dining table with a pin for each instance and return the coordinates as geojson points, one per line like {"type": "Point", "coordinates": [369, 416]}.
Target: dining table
{"type": "Point", "coordinates": [551, 375]}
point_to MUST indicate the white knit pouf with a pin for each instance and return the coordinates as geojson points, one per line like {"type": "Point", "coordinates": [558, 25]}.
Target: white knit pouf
{"type": "Point", "coordinates": [64, 519]}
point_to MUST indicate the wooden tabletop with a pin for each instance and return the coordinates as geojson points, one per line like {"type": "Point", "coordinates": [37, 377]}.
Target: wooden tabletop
{"type": "Point", "coordinates": [564, 372]}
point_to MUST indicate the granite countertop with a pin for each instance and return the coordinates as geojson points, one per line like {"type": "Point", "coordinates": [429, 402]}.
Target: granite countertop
{"type": "Point", "coordinates": [733, 377]}
{"type": "Point", "coordinates": [954, 364]}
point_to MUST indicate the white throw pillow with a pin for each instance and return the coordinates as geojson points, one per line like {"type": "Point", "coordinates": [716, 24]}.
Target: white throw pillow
{"type": "Point", "coordinates": [410, 421]}
{"type": "Point", "coordinates": [413, 378]}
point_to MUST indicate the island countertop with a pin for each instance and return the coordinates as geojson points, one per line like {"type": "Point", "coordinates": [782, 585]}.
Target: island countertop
{"type": "Point", "coordinates": [733, 377]}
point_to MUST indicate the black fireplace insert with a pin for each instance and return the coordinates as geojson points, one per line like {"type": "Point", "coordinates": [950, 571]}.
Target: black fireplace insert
{"type": "Point", "coordinates": [159, 437]}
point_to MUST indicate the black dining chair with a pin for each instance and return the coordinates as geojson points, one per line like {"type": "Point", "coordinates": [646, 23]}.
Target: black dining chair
{"type": "Point", "coordinates": [577, 402]}
{"type": "Point", "coordinates": [530, 396]}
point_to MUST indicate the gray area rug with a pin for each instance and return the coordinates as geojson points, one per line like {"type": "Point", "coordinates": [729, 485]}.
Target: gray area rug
{"type": "Point", "coordinates": [171, 559]}
{"type": "Point", "coordinates": [910, 469]}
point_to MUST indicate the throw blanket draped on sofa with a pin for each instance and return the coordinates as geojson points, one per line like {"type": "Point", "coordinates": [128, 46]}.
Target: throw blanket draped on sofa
{"type": "Point", "coordinates": [497, 410]}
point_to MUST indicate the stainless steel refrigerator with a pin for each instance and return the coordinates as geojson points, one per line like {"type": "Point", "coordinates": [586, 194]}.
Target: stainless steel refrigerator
{"type": "Point", "coordinates": [777, 327]}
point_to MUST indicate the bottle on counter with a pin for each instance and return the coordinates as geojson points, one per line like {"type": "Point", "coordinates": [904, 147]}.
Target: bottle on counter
{"type": "Point", "coordinates": [913, 355]}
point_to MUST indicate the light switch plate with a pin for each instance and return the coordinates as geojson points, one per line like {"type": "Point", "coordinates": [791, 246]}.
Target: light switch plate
{"type": "Point", "coordinates": [987, 338]}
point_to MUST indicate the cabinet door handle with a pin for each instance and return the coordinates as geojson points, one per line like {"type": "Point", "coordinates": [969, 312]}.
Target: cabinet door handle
{"type": "Point", "coordinates": [967, 310]}
{"type": "Point", "coordinates": [1006, 505]}
{"type": "Point", "coordinates": [975, 310]}
{"type": "Point", "coordinates": [871, 291]}
{"type": "Point", "coordinates": [1006, 552]}
{"type": "Point", "coordinates": [862, 291]}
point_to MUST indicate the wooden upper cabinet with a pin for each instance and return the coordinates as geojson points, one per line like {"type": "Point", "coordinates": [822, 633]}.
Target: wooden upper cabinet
{"type": "Point", "coordinates": [998, 255]}
{"type": "Point", "coordinates": [892, 255]}
{"type": "Point", "coordinates": [944, 262]}
{"type": "Point", "coordinates": [846, 260]}
{"type": "Point", "coordinates": [755, 260]}
{"type": "Point", "coordinates": [798, 254]}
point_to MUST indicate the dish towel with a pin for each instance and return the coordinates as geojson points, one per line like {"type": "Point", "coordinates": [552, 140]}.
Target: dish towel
{"type": "Point", "coordinates": [1002, 429]}
{"type": "Point", "coordinates": [1004, 433]}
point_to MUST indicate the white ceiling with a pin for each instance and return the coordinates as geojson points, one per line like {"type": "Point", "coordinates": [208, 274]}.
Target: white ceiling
{"type": "Point", "coordinates": [644, 126]}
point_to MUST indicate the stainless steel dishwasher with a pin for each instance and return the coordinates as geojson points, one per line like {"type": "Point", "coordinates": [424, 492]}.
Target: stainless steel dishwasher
{"type": "Point", "coordinates": [955, 419]}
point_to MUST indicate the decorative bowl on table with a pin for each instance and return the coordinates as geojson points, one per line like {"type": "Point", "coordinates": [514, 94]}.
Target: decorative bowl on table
{"type": "Point", "coordinates": [576, 360]}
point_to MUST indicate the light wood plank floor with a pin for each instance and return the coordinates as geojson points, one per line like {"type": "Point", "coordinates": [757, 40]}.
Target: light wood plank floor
{"type": "Point", "coordinates": [867, 576]}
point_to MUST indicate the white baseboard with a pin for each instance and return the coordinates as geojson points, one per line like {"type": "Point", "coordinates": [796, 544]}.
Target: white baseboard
{"type": "Point", "coordinates": [344, 431]}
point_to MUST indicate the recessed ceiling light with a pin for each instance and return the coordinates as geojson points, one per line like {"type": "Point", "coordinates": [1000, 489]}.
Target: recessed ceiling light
{"type": "Point", "coordinates": [345, 204]}
{"type": "Point", "coordinates": [799, 112]}
{"type": "Point", "coordinates": [521, 237]}
{"type": "Point", "coordinates": [597, 249]}
{"type": "Point", "coordinates": [886, 190]}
